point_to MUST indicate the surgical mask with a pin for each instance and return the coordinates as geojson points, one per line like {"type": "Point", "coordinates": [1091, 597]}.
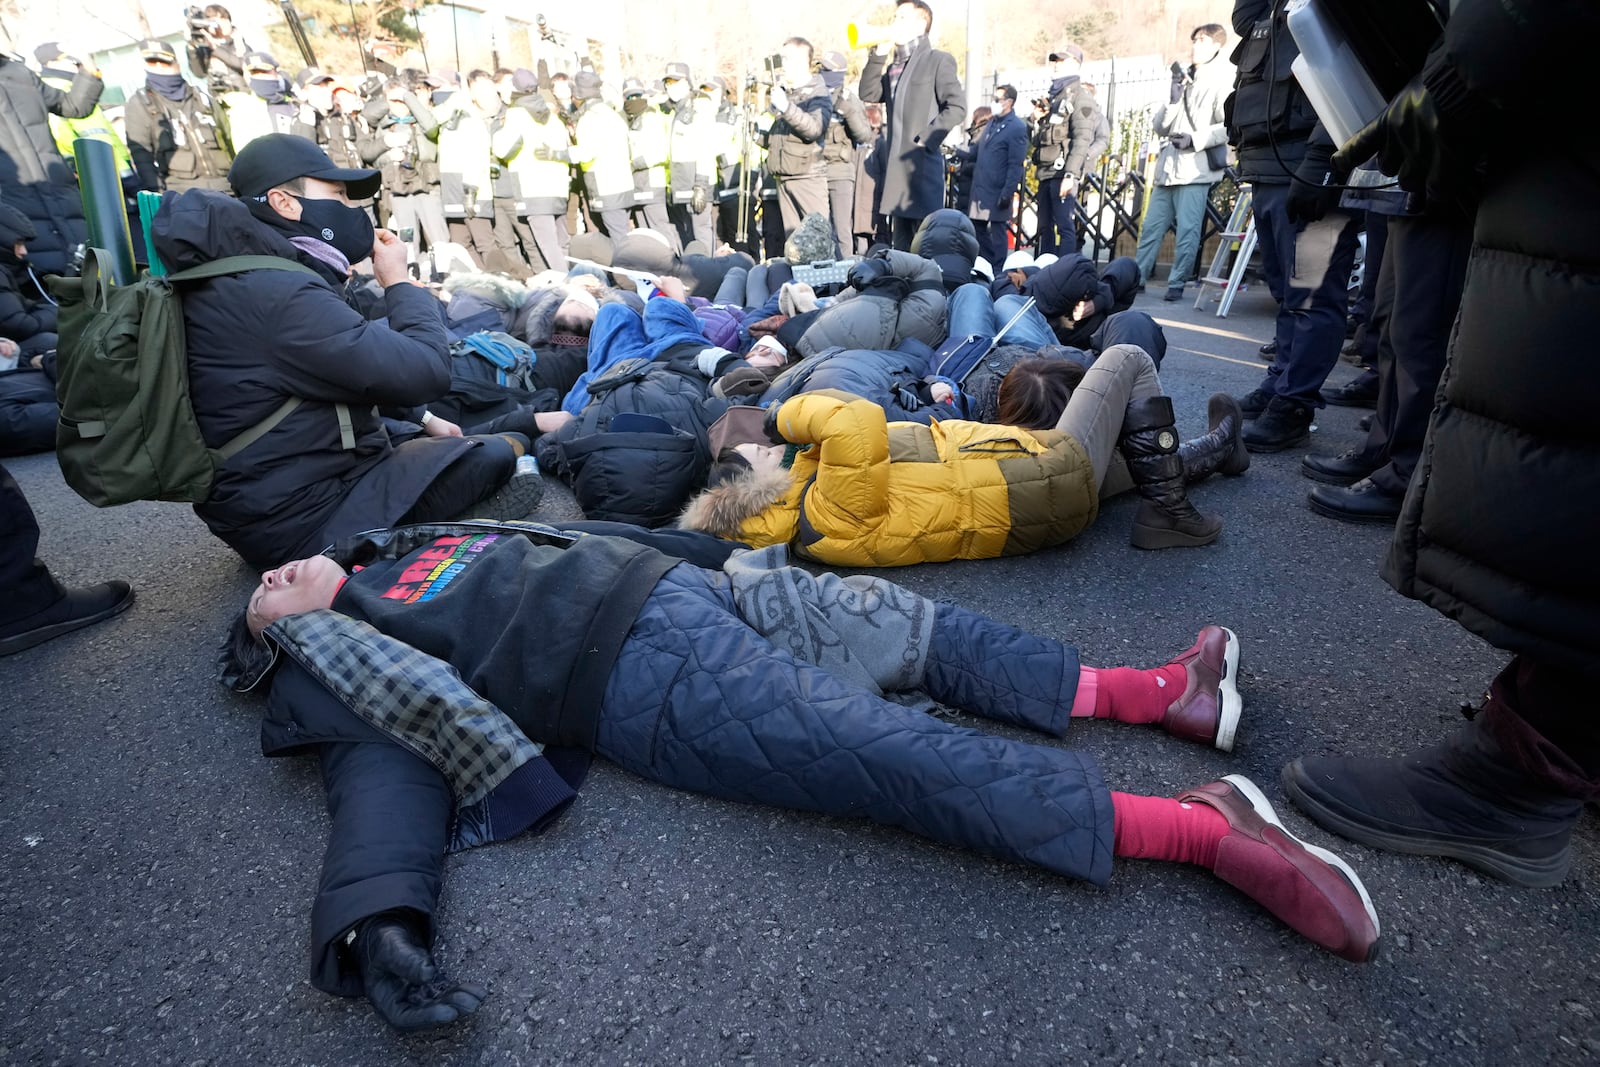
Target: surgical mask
{"type": "Point", "coordinates": [635, 106]}
{"type": "Point", "coordinates": [349, 229]}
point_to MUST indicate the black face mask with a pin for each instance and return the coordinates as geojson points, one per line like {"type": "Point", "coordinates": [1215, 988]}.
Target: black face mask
{"type": "Point", "coordinates": [348, 229]}
{"type": "Point", "coordinates": [635, 105]}
{"type": "Point", "coordinates": [268, 88]}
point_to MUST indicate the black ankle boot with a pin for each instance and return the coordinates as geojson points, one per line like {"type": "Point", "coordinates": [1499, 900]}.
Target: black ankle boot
{"type": "Point", "coordinates": [1165, 518]}
{"type": "Point", "coordinates": [1461, 799]}
{"type": "Point", "coordinates": [1220, 449]}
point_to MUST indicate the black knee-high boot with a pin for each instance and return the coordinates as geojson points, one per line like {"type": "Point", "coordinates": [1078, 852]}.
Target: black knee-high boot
{"type": "Point", "coordinates": [1165, 518]}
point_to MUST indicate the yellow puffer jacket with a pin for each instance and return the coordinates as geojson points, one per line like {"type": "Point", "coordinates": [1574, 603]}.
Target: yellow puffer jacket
{"type": "Point", "coordinates": [871, 493]}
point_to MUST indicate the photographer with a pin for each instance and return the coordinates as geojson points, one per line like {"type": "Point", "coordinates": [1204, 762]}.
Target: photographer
{"type": "Point", "coordinates": [213, 53]}
{"type": "Point", "coordinates": [1192, 123]}
{"type": "Point", "coordinates": [803, 106]}
{"type": "Point", "coordinates": [1068, 139]}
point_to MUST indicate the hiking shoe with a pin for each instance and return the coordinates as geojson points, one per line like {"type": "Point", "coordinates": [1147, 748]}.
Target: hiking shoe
{"type": "Point", "coordinates": [79, 608]}
{"type": "Point", "coordinates": [516, 499]}
{"type": "Point", "coordinates": [1284, 424]}
{"type": "Point", "coordinates": [1209, 707]}
{"type": "Point", "coordinates": [1313, 891]}
{"type": "Point", "coordinates": [1255, 402]}
{"type": "Point", "coordinates": [1460, 799]}
{"type": "Point", "coordinates": [1173, 294]}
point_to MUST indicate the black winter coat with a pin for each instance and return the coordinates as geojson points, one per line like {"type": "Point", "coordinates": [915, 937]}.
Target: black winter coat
{"type": "Point", "coordinates": [255, 340]}
{"type": "Point", "coordinates": [22, 313]}
{"type": "Point", "coordinates": [920, 111]}
{"type": "Point", "coordinates": [1499, 527]}
{"type": "Point", "coordinates": [1269, 116]}
{"type": "Point", "coordinates": [34, 178]}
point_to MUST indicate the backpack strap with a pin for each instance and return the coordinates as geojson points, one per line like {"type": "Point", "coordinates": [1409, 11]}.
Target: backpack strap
{"type": "Point", "coordinates": [239, 265]}
{"type": "Point", "coordinates": [217, 268]}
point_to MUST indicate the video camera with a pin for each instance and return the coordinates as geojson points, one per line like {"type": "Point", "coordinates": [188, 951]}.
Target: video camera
{"type": "Point", "coordinates": [199, 25]}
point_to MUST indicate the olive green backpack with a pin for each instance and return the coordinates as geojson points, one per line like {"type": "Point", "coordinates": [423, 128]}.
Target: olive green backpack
{"type": "Point", "coordinates": [127, 430]}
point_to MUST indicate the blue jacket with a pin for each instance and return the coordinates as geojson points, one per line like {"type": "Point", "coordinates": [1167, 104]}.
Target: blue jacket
{"type": "Point", "coordinates": [891, 378]}
{"type": "Point", "coordinates": [1002, 151]}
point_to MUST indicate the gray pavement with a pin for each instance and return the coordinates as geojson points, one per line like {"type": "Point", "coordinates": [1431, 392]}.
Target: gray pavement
{"type": "Point", "coordinates": [156, 873]}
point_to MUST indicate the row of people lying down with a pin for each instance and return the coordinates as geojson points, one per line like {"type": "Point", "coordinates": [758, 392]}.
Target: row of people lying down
{"type": "Point", "coordinates": [365, 447]}
{"type": "Point", "coordinates": [1024, 452]}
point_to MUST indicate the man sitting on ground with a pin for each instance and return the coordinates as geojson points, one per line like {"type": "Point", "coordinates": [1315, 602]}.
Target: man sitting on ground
{"type": "Point", "coordinates": [284, 345]}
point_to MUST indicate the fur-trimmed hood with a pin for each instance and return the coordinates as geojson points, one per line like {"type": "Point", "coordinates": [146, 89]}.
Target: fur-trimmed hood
{"type": "Point", "coordinates": [723, 509]}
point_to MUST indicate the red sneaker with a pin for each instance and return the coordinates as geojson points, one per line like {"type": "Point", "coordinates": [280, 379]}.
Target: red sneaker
{"type": "Point", "coordinates": [1208, 710]}
{"type": "Point", "coordinates": [1309, 888]}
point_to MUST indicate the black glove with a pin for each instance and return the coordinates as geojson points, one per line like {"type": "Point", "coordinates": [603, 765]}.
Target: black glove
{"type": "Point", "coordinates": [1181, 141]}
{"type": "Point", "coordinates": [769, 426]}
{"type": "Point", "coordinates": [1314, 191]}
{"type": "Point", "coordinates": [700, 199]}
{"type": "Point", "coordinates": [1177, 82]}
{"type": "Point", "coordinates": [866, 272]}
{"type": "Point", "coordinates": [401, 980]}
{"type": "Point", "coordinates": [1426, 145]}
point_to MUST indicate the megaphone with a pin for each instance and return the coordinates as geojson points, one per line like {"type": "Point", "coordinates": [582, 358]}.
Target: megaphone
{"type": "Point", "coordinates": [858, 36]}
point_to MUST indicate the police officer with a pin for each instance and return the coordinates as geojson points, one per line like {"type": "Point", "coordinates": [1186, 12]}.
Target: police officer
{"type": "Point", "coordinates": [1307, 245]}
{"type": "Point", "coordinates": [1068, 138]}
{"type": "Point", "coordinates": [691, 171]}
{"type": "Point", "coordinates": [171, 132]}
{"type": "Point", "coordinates": [650, 142]}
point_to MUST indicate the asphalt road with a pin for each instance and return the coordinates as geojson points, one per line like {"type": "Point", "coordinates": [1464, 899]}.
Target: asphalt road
{"type": "Point", "coordinates": [156, 873]}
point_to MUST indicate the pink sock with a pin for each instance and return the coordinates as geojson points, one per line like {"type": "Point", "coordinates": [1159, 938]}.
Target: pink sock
{"type": "Point", "coordinates": [1126, 694]}
{"type": "Point", "coordinates": [1159, 828]}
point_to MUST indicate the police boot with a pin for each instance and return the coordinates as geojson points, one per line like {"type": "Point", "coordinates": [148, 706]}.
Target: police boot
{"type": "Point", "coordinates": [1220, 450]}
{"type": "Point", "coordinates": [1165, 518]}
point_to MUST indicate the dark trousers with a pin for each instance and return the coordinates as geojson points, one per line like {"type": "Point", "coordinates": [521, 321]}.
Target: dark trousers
{"type": "Point", "coordinates": [1363, 311]}
{"type": "Point", "coordinates": [26, 587]}
{"type": "Point", "coordinates": [842, 209]}
{"type": "Point", "coordinates": [902, 231]}
{"type": "Point", "coordinates": [991, 241]}
{"type": "Point", "coordinates": [475, 474]}
{"type": "Point", "coordinates": [1058, 227]}
{"type": "Point", "coordinates": [697, 700]}
{"type": "Point", "coordinates": [1308, 271]}
{"type": "Point", "coordinates": [28, 412]}
{"type": "Point", "coordinates": [691, 225]}
{"type": "Point", "coordinates": [1543, 718]}
{"type": "Point", "coordinates": [476, 235]}
{"type": "Point", "coordinates": [1424, 270]}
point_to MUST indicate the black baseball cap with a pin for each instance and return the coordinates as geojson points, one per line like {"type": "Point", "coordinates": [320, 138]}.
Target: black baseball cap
{"type": "Point", "coordinates": [259, 61]}
{"type": "Point", "coordinates": [313, 74]}
{"type": "Point", "coordinates": [275, 158]}
{"type": "Point", "coordinates": [680, 71]}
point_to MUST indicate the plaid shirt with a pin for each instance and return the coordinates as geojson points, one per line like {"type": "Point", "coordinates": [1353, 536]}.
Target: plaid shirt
{"type": "Point", "coordinates": [418, 700]}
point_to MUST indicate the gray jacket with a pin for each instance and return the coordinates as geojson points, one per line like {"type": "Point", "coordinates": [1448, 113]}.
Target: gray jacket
{"type": "Point", "coordinates": [1199, 114]}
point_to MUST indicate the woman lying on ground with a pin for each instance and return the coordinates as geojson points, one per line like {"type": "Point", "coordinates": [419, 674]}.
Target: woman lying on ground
{"type": "Point", "coordinates": [425, 665]}
{"type": "Point", "coordinates": [849, 488]}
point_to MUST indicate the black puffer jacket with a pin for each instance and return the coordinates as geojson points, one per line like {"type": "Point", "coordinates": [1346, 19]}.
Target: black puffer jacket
{"type": "Point", "coordinates": [1061, 286]}
{"type": "Point", "coordinates": [23, 311]}
{"type": "Point", "coordinates": [947, 238]}
{"type": "Point", "coordinates": [257, 339]}
{"type": "Point", "coordinates": [34, 178]}
{"type": "Point", "coordinates": [1500, 525]}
